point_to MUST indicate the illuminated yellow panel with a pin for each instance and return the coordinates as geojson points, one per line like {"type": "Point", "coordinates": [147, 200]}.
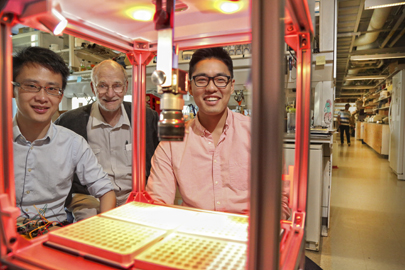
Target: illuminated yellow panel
{"type": "Point", "coordinates": [115, 240]}
{"type": "Point", "coordinates": [232, 227]}
{"type": "Point", "coordinates": [151, 215]}
{"type": "Point", "coordinates": [179, 251]}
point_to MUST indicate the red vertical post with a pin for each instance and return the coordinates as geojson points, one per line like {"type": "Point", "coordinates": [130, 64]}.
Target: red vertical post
{"type": "Point", "coordinates": [8, 211]}
{"type": "Point", "coordinates": [6, 134]}
{"type": "Point", "coordinates": [139, 60]}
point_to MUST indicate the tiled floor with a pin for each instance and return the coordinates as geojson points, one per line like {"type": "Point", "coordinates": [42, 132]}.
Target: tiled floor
{"type": "Point", "coordinates": [367, 229]}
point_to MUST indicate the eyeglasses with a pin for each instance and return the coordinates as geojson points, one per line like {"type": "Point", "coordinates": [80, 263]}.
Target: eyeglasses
{"type": "Point", "coordinates": [219, 81]}
{"type": "Point", "coordinates": [103, 88]}
{"type": "Point", "coordinates": [34, 88]}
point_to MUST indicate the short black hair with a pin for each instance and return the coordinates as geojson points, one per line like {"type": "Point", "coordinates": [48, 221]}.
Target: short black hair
{"type": "Point", "coordinates": [42, 57]}
{"type": "Point", "coordinates": [208, 53]}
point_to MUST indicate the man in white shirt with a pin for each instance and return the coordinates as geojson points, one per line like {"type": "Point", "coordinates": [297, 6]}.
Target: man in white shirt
{"type": "Point", "coordinates": [47, 156]}
{"type": "Point", "coordinates": [106, 125]}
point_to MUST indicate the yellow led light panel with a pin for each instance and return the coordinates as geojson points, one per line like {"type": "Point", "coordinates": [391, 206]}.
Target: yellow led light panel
{"type": "Point", "coordinates": [189, 252]}
{"type": "Point", "coordinates": [151, 215]}
{"type": "Point", "coordinates": [115, 240]}
{"type": "Point", "coordinates": [218, 225]}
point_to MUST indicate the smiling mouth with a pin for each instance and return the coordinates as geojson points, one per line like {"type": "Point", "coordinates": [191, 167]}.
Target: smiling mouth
{"type": "Point", "coordinates": [40, 109]}
{"type": "Point", "coordinates": [212, 99]}
{"type": "Point", "coordinates": [110, 101]}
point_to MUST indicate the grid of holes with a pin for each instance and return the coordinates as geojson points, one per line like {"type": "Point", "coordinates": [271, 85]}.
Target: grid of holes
{"type": "Point", "coordinates": [227, 227]}
{"type": "Point", "coordinates": [108, 234]}
{"type": "Point", "coordinates": [187, 252]}
{"type": "Point", "coordinates": [151, 215]}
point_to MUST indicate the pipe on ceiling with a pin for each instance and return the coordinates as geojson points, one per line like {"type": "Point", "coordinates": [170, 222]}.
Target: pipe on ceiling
{"type": "Point", "coordinates": [377, 21]}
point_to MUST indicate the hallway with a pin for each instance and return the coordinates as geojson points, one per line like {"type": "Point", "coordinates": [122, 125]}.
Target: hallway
{"type": "Point", "coordinates": [367, 230]}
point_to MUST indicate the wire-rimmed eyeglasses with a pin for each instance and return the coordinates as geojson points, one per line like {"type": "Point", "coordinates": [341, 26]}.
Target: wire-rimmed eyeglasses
{"type": "Point", "coordinates": [116, 87]}
{"type": "Point", "coordinates": [34, 88]}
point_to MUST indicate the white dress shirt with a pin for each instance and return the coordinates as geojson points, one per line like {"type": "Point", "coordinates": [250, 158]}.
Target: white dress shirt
{"type": "Point", "coordinates": [113, 149]}
{"type": "Point", "coordinates": [44, 171]}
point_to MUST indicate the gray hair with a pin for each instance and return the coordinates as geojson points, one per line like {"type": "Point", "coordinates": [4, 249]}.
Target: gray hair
{"type": "Point", "coordinates": [94, 71]}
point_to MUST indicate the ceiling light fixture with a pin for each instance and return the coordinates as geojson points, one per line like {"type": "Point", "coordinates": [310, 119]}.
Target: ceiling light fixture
{"type": "Point", "coordinates": [370, 77]}
{"type": "Point", "coordinates": [373, 4]}
{"type": "Point", "coordinates": [54, 21]}
{"type": "Point", "coordinates": [141, 13]}
{"type": "Point", "coordinates": [229, 7]}
{"type": "Point", "coordinates": [377, 56]}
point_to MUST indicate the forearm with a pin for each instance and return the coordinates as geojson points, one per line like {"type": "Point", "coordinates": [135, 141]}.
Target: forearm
{"type": "Point", "coordinates": [107, 201]}
{"type": "Point", "coordinates": [162, 183]}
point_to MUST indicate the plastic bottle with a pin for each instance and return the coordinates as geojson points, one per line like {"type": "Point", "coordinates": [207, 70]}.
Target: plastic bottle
{"type": "Point", "coordinates": [83, 65]}
{"type": "Point", "coordinates": [88, 65]}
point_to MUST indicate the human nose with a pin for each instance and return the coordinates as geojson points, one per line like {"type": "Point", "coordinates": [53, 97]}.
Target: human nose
{"type": "Point", "coordinates": [211, 85]}
{"type": "Point", "coordinates": [110, 91]}
{"type": "Point", "coordinates": [41, 94]}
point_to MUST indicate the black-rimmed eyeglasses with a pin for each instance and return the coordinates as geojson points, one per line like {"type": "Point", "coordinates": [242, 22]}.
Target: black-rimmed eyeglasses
{"type": "Point", "coordinates": [219, 81]}
{"type": "Point", "coordinates": [34, 88]}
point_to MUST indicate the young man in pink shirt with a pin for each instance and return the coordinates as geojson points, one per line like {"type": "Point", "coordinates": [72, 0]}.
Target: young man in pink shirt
{"type": "Point", "coordinates": [211, 166]}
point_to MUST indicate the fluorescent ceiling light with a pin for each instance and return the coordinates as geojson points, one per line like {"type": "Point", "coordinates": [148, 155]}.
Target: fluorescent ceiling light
{"type": "Point", "coordinates": [352, 94]}
{"type": "Point", "coordinates": [373, 4]}
{"type": "Point", "coordinates": [377, 56]}
{"type": "Point", "coordinates": [359, 87]}
{"type": "Point", "coordinates": [359, 78]}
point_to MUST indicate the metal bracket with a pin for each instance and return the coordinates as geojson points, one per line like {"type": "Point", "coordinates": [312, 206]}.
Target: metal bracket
{"type": "Point", "coordinates": [140, 45]}
{"type": "Point", "coordinates": [140, 57]}
{"type": "Point", "coordinates": [141, 196]}
{"type": "Point", "coordinates": [304, 41]}
{"type": "Point", "coordinates": [298, 220]}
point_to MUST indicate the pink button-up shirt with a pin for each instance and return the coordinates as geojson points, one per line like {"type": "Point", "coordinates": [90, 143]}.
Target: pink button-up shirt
{"type": "Point", "coordinates": [208, 177]}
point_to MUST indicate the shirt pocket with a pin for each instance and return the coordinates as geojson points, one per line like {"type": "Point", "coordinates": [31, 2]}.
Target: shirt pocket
{"type": "Point", "coordinates": [128, 156]}
{"type": "Point", "coordinates": [239, 176]}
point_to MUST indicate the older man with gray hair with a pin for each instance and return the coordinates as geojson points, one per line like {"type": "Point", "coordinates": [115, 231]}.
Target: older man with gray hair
{"type": "Point", "coordinates": [106, 125]}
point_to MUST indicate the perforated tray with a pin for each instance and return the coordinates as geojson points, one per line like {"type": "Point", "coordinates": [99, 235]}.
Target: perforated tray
{"type": "Point", "coordinates": [151, 215]}
{"type": "Point", "coordinates": [181, 251]}
{"type": "Point", "coordinates": [232, 227]}
{"type": "Point", "coordinates": [116, 240]}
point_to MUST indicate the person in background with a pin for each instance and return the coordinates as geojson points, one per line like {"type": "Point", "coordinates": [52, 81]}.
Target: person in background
{"type": "Point", "coordinates": [106, 125]}
{"type": "Point", "coordinates": [47, 156]}
{"type": "Point", "coordinates": [211, 166]}
{"type": "Point", "coordinates": [344, 122]}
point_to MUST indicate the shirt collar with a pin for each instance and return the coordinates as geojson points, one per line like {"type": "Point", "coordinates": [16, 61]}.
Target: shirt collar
{"type": "Point", "coordinates": [203, 131]}
{"type": "Point", "coordinates": [18, 137]}
{"type": "Point", "coordinates": [98, 119]}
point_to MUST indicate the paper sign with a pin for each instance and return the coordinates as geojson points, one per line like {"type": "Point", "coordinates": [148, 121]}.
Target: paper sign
{"type": "Point", "coordinates": [320, 60]}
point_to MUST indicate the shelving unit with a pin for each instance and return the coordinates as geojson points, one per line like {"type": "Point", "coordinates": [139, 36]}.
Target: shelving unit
{"type": "Point", "coordinates": [66, 49]}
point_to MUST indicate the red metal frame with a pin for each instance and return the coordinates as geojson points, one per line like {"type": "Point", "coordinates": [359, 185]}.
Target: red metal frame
{"type": "Point", "coordinates": [264, 250]}
{"type": "Point", "coordinates": [8, 211]}
{"type": "Point", "coordinates": [139, 59]}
